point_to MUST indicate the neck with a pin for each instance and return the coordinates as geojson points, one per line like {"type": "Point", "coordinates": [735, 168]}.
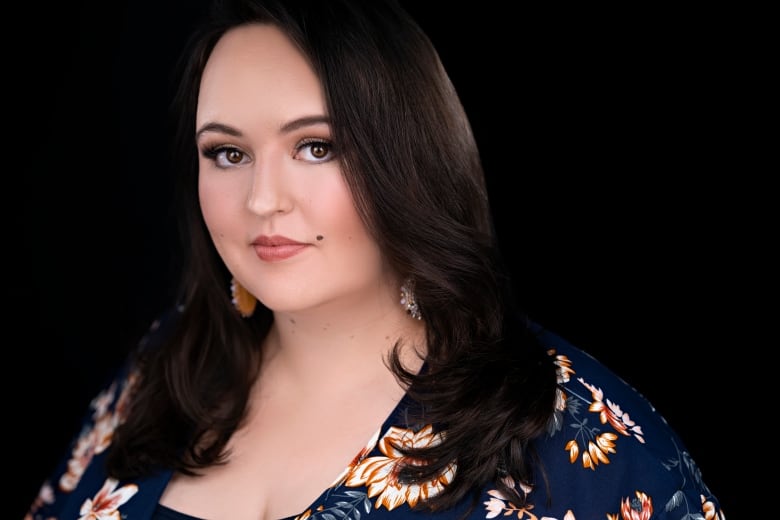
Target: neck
{"type": "Point", "coordinates": [345, 348]}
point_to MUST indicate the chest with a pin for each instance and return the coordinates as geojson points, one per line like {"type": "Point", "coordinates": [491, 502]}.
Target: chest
{"type": "Point", "coordinates": [280, 462]}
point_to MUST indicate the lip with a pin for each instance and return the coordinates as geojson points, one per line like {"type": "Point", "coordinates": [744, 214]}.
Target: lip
{"type": "Point", "coordinates": [276, 248]}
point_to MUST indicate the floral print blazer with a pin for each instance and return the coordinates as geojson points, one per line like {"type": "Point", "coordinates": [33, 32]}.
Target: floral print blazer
{"type": "Point", "coordinates": [608, 455]}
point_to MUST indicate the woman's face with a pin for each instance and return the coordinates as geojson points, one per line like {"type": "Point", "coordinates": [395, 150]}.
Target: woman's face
{"type": "Point", "coordinates": [270, 184]}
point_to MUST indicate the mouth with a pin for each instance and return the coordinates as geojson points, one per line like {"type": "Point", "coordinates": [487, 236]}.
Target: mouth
{"type": "Point", "coordinates": [275, 241]}
{"type": "Point", "coordinates": [276, 248]}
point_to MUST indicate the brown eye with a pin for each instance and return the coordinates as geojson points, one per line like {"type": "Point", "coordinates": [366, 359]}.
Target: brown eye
{"type": "Point", "coordinates": [234, 156]}
{"type": "Point", "coordinates": [314, 151]}
{"type": "Point", "coordinates": [319, 150]}
{"type": "Point", "coordinates": [225, 156]}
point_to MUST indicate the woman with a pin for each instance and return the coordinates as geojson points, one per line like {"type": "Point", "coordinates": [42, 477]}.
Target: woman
{"type": "Point", "coordinates": [346, 340]}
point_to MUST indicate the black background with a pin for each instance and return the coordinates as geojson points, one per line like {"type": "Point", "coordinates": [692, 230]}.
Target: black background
{"type": "Point", "coordinates": [599, 133]}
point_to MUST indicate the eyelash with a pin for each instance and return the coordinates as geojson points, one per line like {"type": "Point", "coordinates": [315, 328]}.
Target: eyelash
{"type": "Point", "coordinates": [213, 152]}
{"type": "Point", "coordinates": [316, 141]}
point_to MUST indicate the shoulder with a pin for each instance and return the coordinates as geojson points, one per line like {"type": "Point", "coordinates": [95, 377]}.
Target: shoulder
{"type": "Point", "coordinates": [578, 368]}
{"type": "Point", "coordinates": [608, 448]}
{"type": "Point", "coordinates": [79, 478]}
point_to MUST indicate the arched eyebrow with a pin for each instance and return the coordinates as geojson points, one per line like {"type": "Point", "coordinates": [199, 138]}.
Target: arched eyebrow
{"type": "Point", "coordinates": [301, 122]}
{"type": "Point", "coordinates": [217, 127]}
{"type": "Point", "coordinates": [286, 128]}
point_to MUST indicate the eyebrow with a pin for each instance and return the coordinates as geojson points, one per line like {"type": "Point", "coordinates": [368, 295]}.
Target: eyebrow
{"type": "Point", "coordinates": [286, 128]}
{"type": "Point", "coordinates": [295, 124]}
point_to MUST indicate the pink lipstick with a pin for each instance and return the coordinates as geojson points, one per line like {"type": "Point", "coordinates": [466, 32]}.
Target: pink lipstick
{"type": "Point", "coordinates": [276, 248]}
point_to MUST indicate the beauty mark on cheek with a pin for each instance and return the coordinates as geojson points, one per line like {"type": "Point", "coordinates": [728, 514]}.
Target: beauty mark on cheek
{"type": "Point", "coordinates": [320, 237]}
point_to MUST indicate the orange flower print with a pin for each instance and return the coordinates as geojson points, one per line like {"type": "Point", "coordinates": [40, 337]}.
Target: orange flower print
{"type": "Point", "coordinates": [639, 508]}
{"type": "Point", "coordinates": [82, 455]}
{"type": "Point", "coordinates": [97, 439]}
{"type": "Point", "coordinates": [357, 460]}
{"type": "Point", "coordinates": [380, 474]}
{"type": "Point", "coordinates": [611, 413]}
{"type": "Point", "coordinates": [103, 432]}
{"type": "Point", "coordinates": [595, 445]}
{"type": "Point", "coordinates": [496, 505]}
{"type": "Point", "coordinates": [499, 505]}
{"type": "Point", "coordinates": [45, 496]}
{"type": "Point", "coordinates": [304, 516]}
{"type": "Point", "coordinates": [103, 400]}
{"type": "Point", "coordinates": [709, 510]}
{"type": "Point", "coordinates": [563, 372]}
{"type": "Point", "coordinates": [90, 443]}
{"type": "Point", "coordinates": [597, 451]}
{"type": "Point", "coordinates": [105, 505]}
{"type": "Point", "coordinates": [120, 410]}
{"type": "Point", "coordinates": [562, 367]}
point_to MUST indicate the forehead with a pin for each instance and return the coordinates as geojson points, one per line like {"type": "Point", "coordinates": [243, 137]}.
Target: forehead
{"type": "Point", "coordinates": [256, 69]}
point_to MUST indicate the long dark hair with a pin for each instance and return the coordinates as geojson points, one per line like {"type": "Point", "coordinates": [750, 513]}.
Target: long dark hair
{"type": "Point", "coordinates": [414, 170]}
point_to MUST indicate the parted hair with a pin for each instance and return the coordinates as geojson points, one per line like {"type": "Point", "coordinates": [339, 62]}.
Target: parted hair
{"type": "Point", "coordinates": [413, 167]}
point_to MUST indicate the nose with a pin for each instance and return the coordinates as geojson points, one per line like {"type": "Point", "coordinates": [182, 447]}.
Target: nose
{"type": "Point", "coordinates": [268, 192]}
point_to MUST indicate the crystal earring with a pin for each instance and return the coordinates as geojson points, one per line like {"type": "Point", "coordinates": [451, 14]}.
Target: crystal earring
{"type": "Point", "coordinates": [408, 301]}
{"type": "Point", "coordinates": [242, 299]}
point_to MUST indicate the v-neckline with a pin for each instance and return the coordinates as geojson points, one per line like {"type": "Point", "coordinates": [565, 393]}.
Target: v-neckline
{"type": "Point", "coordinates": [392, 419]}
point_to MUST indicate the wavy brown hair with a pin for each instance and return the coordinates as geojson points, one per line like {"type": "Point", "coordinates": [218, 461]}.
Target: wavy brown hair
{"type": "Point", "coordinates": [414, 170]}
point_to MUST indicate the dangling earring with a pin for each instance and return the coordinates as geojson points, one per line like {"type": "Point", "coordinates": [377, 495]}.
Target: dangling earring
{"type": "Point", "coordinates": [407, 299]}
{"type": "Point", "coordinates": [243, 300]}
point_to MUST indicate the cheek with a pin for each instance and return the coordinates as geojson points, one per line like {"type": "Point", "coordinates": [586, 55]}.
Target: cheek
{"type": "Point", "coordinates": [336, 211]}
{"type": "Point", "coordinates": [206, 203]}
{"type": "Point", "coordinates": [215, 204]}
{"type": "Point", "coordinates": [346, 227]}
